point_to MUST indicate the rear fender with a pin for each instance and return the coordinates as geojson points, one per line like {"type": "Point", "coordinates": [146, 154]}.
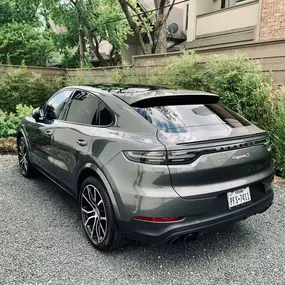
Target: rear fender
{"type": "Point", "coordinates": [106, 183]}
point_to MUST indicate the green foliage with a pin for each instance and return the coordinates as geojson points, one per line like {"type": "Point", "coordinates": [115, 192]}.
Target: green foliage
{"type": "Point", "coordinates": [23, 37]}
{"type": "Point", "coordinates": [19, 11]}
{"type": "Point", "coordinates": [24, 43]}
{"type": "Point", "coordinates": [126, 75]}
{"type": "Point", "coordinates": [64, 16]}
{"type": "Point", "coordinates": [182, 72]}
{"type": "Point", "coordinates": [276, 127]}
{"type": "Point", "coordinates": [241, 84]}
{"type": "Point", "coordinates": [279, 141]}
{"type": "Point", "coordinates": [70, 60]}
{"type": "Point", "coordinates": [81, 77]}
{"type": "Point", "coordinates": [101, 20]}
{"type": "Point", "coordinates": [9, 122]}
{"type": "Point", "coordinates": [18, 86]}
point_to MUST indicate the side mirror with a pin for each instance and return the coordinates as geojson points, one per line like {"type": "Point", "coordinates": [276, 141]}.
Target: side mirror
{"type": "Point", "coordinates": [37, 114]}
{"type": "Point", "coordinates": [50, 114]}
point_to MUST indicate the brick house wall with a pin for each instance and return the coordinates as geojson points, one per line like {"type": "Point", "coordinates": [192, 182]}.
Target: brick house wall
{"type": "Point", "coordinates": [272, 24]}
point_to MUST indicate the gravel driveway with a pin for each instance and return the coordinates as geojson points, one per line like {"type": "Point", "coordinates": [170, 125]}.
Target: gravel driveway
{"type": "Point", "coordinates": [42, 242]}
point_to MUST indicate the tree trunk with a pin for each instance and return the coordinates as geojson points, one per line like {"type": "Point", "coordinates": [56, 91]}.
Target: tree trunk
{"type": "Point", "coordinates": [81, 46]}
{"type": "Point", "coordinates": [160, 36]}
{"type": "Point", "coordinates": [133, 24]}
{"type": "Point", "coordinates": [95, 47]}
{"type": "Point", "coordinates": [80, 34]}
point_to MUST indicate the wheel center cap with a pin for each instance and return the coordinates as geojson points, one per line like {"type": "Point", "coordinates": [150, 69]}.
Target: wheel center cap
{"type": "Point", "coordinates": [96, 213]}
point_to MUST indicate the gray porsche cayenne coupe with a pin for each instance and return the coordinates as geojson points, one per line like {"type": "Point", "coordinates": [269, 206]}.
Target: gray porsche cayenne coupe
{"type": "Point", "coordinates": [148, 163]}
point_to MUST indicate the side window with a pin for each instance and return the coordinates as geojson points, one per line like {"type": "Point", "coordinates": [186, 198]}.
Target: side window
{"type": "Point", "coordinates": [105, 117]}
{"type": "Point", "coordinates": [56, 104]}
{"type": "Point", "coordinates": [83, 109]}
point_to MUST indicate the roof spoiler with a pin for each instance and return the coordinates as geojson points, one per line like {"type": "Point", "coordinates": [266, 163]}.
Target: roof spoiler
{"type": "Point", "coordinates": [172, 100]}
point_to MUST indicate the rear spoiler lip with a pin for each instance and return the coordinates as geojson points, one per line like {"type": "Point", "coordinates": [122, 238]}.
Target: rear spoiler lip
{"type": "Point", "coordinates": [262, 134]}
{"type": "Point", "coordinates": [172, 100]}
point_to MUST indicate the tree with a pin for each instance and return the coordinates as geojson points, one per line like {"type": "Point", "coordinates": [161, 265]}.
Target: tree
{"type": "Point", "coordinates": [157, 37]}
{"type": "Point", "coordinates": [22, 36]}
{"type": "Point", "coordinates": [91, 22]}
{"type": "Point", "coordinates": [20, 11]}
{"type": "Point", "coordinates": [24, 43]}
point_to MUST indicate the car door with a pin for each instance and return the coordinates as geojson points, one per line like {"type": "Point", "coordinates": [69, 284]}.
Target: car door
{"type": "Point", "coordinates": [73, 136]}
{"type": "Point", "coordinates": [40, 132]}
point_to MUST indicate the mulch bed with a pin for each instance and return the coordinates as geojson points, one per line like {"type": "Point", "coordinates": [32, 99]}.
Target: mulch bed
{"type": "Point", "coordinates": [8, 145]}
{"type": "Point", "coordinates": [279, 180]}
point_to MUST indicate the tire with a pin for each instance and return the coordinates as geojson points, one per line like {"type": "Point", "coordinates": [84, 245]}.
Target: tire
{"type": "Point", "coordinates": [98, 218]}
{"type": "Point", "coordinates": [25, 165]}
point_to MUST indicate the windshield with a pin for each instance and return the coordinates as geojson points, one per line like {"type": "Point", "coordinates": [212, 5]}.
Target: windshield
{"type": "Point", "coordinates": [181, 116]}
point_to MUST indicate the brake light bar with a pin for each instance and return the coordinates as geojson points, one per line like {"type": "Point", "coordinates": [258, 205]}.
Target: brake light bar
{"type": "Point", "coordinates": [159, 220]}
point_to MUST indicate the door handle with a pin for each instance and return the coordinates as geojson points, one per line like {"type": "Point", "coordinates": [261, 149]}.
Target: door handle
{"type": "Point", "coordinates": [48, 133]}
{"type": "Point", "coordinates": [82, 142]}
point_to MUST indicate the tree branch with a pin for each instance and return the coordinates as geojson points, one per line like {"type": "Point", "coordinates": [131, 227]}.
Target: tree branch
{"type": "Point", "coordinates": [132, 24]}
{"type": "Point", "coordinates": [142, 21]}
{"type": "Point", "coordinates": [73, 2]}
{"type": "Point", "coordinates": [95, 47]}
{"type": "Point", "coordinates": [161, 6]}
{"type": "Point", "coordinates": [169, 10]}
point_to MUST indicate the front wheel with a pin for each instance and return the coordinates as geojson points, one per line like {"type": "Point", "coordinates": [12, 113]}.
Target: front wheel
{"type": "Point", "coordinates": [98, 218]}
{"type": "Point", "coordinates": [26, 167]}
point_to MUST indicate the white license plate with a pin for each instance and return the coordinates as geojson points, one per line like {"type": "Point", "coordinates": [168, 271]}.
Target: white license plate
{"type": "Point", "coordinates": [238, 197]}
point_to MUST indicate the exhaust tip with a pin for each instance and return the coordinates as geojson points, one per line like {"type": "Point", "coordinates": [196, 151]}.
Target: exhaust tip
{"type": "Point", "coordinates": [190, 237]}
{"type": "Point", "coordinates": [174, 240]}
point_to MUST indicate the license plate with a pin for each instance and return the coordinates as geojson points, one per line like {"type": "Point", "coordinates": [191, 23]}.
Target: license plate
{"type": "Point", "coordinates": [238, 197]}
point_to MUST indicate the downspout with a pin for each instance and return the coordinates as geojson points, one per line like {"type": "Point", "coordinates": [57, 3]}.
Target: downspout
{"type": "Point", "coordinates": [258, 26]}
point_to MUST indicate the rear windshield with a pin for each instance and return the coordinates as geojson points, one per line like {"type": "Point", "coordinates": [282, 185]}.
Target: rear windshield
{"type": "Point", "coordinates": [172, 117]}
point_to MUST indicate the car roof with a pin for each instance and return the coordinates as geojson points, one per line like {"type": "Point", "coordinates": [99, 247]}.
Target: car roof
{"type": "Point", "coordinates": [133, 93]}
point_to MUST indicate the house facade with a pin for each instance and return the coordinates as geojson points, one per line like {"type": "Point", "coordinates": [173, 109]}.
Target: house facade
{"type": "Point", "coordinates": [209, 23]}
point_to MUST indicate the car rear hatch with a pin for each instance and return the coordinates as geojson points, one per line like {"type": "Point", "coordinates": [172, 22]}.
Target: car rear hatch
{"type": "Point", "coordinates": [210, 148]}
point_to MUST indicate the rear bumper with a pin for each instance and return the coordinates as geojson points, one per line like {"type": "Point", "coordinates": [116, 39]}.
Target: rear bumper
{"type": "Point", "coordinates": [158, 233]}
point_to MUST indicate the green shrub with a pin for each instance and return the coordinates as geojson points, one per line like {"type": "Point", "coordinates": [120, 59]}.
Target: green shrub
{"type": "Point", "coordinates": [9, 122]}
{"type": "Point", "coordinates": [17, 86]}
{"type": "Point", "coordinates": [278, 136]}
{"type": "Point", "coordinates": [242, 85]}
{"type": "Point", "coordinates": [124, 75]}
{"type": "Point", "coordinates": [185, 72]}
{"type": "Point", "coordinates": [82, 76]}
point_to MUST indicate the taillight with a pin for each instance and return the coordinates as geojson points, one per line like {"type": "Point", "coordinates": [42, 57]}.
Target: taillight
{"type": "Point", "coordinates": [149, 157]}
{"type": "Point", "coordinates": [159, 220]}
{"type": "Point", "coordinates": [161, 157]}
{"type": "Point", "coordinates": [180, 156]}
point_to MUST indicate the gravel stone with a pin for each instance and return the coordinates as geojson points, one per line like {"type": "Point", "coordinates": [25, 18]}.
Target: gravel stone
{"type": "Point", "coordinates": [42, 242]}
